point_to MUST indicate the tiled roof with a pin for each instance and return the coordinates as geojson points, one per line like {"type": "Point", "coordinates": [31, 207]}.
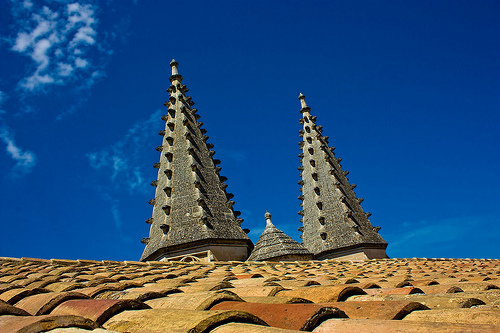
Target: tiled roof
{"type": "Point", "coordinates": [382, 295]}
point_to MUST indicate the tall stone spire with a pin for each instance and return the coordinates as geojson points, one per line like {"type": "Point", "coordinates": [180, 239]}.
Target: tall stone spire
{"type": "Point", "coordinates": [275, 245]}
{"type": "Point", "coordinates": [334, 223]}
{"type": "Point", "coordinates": [193, 216]}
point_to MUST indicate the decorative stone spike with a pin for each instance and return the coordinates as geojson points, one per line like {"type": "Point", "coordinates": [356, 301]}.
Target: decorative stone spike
{"type": "Point", "coordinates": [154, 183]}
{"type": "Point", "coordinates": [328, 230]}
{"type": "Point", "coordinates": [149, 221]}
{"type": "Point", "coordinates": [192, 212]}
{"type": "Point", "coordinates": [145, 240]}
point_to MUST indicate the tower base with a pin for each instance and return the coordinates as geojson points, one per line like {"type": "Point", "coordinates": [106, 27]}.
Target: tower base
{"type": "Point", "coordinates": [357, 252]}
{"type": "Point", "coordinates": [237, 251]}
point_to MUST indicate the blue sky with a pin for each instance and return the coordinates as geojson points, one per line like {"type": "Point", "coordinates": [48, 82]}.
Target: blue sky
{"type": "Point", "coordinates": [408, 92]}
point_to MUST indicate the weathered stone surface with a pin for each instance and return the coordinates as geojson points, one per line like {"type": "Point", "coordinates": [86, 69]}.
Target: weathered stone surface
{"type": "Point", "coordinates": [193, 217]}
{"type": "Point", "coordinates": [334, 223]}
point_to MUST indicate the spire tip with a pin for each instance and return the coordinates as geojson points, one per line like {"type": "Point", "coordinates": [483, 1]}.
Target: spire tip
{"type": "Point", "coordinates": [175, 72]}
{"type": "Point", "coordinates": [302, 99]}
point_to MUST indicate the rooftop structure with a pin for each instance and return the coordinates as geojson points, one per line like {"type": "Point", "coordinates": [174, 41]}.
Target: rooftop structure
{"type": "Point", "coordinates": [193, 216]}
{"type": "Point", "coordinates": [382, 295]}
{"type": "Point", "coordinates": [334, 223]}
{"type": "Point", "coordinates": [275, 245]}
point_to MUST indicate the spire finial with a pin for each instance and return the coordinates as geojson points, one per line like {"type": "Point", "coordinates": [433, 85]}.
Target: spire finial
{"type": "Point", "coordinates": [174, 65]}
{"type": "Point", "coordinates": [302, 99]}
{"type": "Point", "coordinates": [268, 219]}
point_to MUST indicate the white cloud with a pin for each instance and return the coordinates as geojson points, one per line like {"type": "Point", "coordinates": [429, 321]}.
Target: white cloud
{"type": "Point", "coordinates": [60, 38]}
{"type": "Point", "coordinates": [123, 160]}
{"type": "Point", "coordinates": [65, 69]}
{"type": "Point", "coordinates": [81, 63]}
{"type": "Point", "coordinates": [25, 160]}
{"type": "Point", "coordinates": [27, 4]}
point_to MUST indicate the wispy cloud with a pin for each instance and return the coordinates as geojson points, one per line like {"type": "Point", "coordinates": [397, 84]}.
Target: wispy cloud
{"type": "Point", "coordinates": [61, 40]}
{"type": "Point", "coordinates": [123, 160]}
{"type": "Point", "coordinates": [25, 160]}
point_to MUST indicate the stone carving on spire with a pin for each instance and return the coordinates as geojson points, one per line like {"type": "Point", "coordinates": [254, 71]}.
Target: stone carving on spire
{"type": "Point", "coordinates": [334, 223]}
{"type": "Point", "coordinates": [193, 215]}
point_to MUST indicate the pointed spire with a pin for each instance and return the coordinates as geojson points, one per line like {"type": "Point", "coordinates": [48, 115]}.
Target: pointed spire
{"type": "Point", "coordinates": [275, 245]}
{"type": "Point", "coordinates": [334, 223]}
{"type": "Point", "coordinates": [192, 212]}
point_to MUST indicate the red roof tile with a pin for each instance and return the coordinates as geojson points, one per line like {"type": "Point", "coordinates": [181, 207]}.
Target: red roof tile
{"type": "Point", "coordinates": [303, 317]}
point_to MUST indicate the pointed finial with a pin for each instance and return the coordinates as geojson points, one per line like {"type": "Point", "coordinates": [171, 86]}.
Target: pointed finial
{"type": "Point", "coordinates": [302, 99]}
{"type": "Point", "coordinates": [268, 219]}
{"type": "Point", "coordinates": [175, 73]}
{"type": "Point", "coordinates": [174, 65]}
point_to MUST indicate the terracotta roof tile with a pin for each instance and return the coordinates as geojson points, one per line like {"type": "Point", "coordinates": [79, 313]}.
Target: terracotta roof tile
{"type": "Point", "coordinates": [97, 310]}
{"type": "Point", "coordinates": [464, 316]}
{"type": "Point", "coordinates": [41, 304]}
{"type": "Point", "coordinates": [15, 295]}
{"type": "Point", "coordinates": [7, 309]}
{"type": "Point", "coordinates": [275, 299]}
{"type": "Point", "coordinates": [436, 282]}
{"type": "Point", "coordinates": [176, 321]}
{"type": "Point", "coordinates": [193, 301]}
{"type": "Point", "coordinates": [303, 317]}
{"type": "Point", "coordinates": [35, 324]}
{"type": "Point", "coordinates": [249, 328]}
{"type": "Point", "coordinates": [397, 326]}
{"type": "Point", "coordinates": [388, 310]}
{"type": "Point", "coordinates": [324, 294]}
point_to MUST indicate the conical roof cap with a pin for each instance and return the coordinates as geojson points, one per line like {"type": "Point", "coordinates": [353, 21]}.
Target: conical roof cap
{"type": "Point", "coordinates": [274, 243]}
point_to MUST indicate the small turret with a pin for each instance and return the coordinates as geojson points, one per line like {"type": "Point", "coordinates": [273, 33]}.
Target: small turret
{"type": "Point", "coordinates": [275, 245]}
